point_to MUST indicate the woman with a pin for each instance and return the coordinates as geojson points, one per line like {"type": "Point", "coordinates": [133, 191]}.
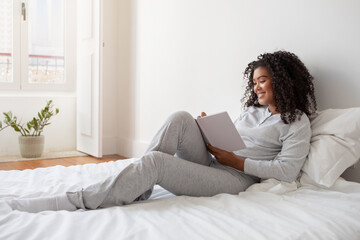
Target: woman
{"type": "Point", "coordinates": [274, 126]}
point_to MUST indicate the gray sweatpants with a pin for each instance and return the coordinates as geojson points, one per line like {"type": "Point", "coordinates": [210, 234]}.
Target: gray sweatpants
{"type": "Point", "coordinates": [177, 159]}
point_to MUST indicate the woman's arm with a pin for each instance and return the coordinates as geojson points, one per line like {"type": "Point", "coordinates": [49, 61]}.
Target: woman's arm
{"type": "Point", "coordinates": [227, 158]}
{"type": "Point", "coordinates": [289, 161]}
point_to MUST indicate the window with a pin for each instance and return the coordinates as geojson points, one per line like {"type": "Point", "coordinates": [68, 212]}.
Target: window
{"type": "Point", "coordinates": [6, 40]}
{"type": "Point", "coordinates": [37, 45]}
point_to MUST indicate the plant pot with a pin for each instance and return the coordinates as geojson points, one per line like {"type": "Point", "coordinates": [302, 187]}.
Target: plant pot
{"type": "Point", "coordinates": [31, 146]}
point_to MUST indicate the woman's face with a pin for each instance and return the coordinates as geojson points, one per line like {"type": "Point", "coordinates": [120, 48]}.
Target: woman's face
{"type": "Point", "coordinates": [263, 87]}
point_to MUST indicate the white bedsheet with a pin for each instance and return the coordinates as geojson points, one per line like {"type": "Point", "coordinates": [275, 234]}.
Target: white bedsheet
{"type": "Point", "coordinates": [270, 210]}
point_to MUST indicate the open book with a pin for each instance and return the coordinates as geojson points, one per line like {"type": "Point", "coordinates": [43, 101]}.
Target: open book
{"type": "Point", "coordinates": [219, 131]}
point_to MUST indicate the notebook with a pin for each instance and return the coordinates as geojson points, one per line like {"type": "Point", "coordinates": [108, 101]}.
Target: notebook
{"type": "Point", "coordinates": [219, 131]}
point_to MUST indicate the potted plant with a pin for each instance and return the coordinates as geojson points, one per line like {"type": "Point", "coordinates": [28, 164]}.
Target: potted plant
{"type": "Point", "coordinates": [31, 142]}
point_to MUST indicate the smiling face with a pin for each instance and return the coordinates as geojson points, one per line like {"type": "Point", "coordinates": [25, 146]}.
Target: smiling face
{"type": "Point", "coordinates": [263, 88]}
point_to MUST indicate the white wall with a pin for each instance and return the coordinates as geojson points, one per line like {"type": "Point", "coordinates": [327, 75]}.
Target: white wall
{"type": "Point", "coordinates": [190, 55]}
{"type": "Point", "coordinates": [126, 74]}
{"type": "Point", "coordinates": [110, 75]}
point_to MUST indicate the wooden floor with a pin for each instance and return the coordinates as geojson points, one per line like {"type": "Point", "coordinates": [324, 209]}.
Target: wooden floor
{"type": "Point", "coordinates": [32, 164]}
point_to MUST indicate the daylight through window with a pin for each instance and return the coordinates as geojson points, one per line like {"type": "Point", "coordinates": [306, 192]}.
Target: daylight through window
{"type": "Point", "coordinates": [32, 44]}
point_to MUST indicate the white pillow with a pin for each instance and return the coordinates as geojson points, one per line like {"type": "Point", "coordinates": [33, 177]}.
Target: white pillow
{"type": "Point", "coordinates": [335, 145]}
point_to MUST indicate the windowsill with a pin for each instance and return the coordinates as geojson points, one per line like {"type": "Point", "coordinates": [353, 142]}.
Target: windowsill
{"type": "Point", "coordinates": [46, 155]}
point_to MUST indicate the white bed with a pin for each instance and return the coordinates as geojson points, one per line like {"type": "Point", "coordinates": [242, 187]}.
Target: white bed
{"type": "Point", "coordinates": [321, 205]}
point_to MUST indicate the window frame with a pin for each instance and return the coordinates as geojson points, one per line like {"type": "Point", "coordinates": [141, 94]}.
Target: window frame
{"type": "Point", "coordinates": [20, 58]}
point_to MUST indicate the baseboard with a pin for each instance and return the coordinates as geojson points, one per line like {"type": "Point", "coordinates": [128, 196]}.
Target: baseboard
{"type": "Point", "coordinates": [131, 148]}
{"type": "Point", "coordinates": [45, 155]}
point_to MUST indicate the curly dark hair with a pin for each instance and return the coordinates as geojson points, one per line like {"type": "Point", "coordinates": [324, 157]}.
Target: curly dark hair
{"type": "Point", "coordinates": [291, 82]}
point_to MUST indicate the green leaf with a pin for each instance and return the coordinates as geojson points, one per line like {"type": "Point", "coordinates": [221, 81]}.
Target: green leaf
{"type": "Point", "coordinates": [35, 122]}
{"type": "Point", "coordinates": [38, 122]}
{"type": "Point", "coordinates": [16, 128]}
{"type": "Point", "coordinates": [8, 116]}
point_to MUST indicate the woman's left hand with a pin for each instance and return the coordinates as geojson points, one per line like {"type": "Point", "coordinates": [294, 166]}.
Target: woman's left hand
{"type": "Point", "coordinates": [227, 158]}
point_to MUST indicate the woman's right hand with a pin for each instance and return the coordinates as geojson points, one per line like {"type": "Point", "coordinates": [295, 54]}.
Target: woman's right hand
{"type": "Point", "coordinates": [202, 115]}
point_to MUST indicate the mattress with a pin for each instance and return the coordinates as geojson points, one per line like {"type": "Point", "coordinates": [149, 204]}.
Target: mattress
{"type": "Point", "coordinates": [268, 210]}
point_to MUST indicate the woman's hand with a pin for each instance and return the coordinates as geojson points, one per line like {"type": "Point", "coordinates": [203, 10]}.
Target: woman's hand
{"type": "Point", "coordinates": [227, 158]}
{"type": "Point", "coordinates": [202, 115]}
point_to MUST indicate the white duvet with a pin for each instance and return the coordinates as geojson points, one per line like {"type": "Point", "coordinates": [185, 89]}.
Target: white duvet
{"type": "Point", "coordinates": [269, 210]}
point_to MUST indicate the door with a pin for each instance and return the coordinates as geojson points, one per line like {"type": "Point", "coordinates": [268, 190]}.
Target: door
{"type": "Point", "coordinates": [89, 82]}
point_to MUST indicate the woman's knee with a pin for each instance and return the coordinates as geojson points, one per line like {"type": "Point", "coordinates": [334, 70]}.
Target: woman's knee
{"type": "Point", "coordinates": [153, 156]}
{"type": "Point", "coordinates": [180, 117]}
{"type": "Point", "coordinates": [155, 159]}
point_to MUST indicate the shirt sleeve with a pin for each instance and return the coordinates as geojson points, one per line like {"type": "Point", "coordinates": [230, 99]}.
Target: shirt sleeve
{"type": "Point", "coordinates": [287, 164]}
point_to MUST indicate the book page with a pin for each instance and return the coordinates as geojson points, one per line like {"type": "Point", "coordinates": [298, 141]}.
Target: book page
{"type": "Point", "coordinates": [219, 131]}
